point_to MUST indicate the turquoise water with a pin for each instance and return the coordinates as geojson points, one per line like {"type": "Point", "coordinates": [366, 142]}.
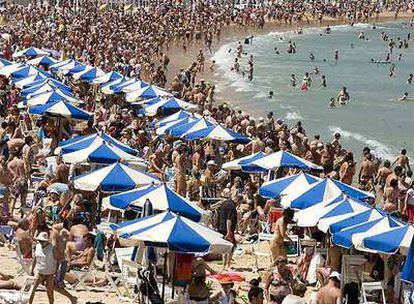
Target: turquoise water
{"type": "Point", "coordinates": [373, 117]}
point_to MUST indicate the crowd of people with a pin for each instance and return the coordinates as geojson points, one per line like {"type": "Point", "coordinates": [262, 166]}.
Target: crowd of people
{"type": "Point", "coordinates": [57, 228]}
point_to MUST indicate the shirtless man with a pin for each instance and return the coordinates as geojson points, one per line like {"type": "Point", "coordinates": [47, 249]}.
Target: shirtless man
{"type": "Point", "coordinates": [367, 170]}
{"type": "Point", "coordinates": [17, 170]}
{"type": "Point", "coordinates": [402, 160]}
{"type": "Point", "coordinates": [382, 175]}
{"type": "Point", "coordinates": [331, 293]}
{"type": "Point", "coordinates": [277, 247]}
{"type": "Point", "coordinates": [77, 237]}
{"type": "Point", "coordinates": [180, 176]}
{"type": "Point", "coordinates": [24, 238]}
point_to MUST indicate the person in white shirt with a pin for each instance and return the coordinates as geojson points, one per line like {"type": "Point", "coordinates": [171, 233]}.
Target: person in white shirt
{"type": "Point", "coordinates": [44, 266]}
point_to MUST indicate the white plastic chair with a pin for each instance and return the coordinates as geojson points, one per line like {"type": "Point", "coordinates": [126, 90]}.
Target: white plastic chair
{"type": "Point", "coordinates": [368, 291]}
{"type": "Point", "coordinates": [18, 296]}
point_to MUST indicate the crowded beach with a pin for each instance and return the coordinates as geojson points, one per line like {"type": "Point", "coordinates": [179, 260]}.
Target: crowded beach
{"type": "Point", "coordinates": [124, 178]}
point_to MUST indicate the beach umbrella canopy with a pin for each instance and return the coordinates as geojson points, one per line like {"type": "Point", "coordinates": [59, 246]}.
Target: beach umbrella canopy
{"type": "Point", "coordinates": [100, 151]}
{"type": "Point", "coordinates": [330, 210]}
{"type": "Point", "coordinates": [45, 86]}
{"type": "Point", "coordinates": [26, 71]}
{"type": "Point", "coordinates": [111, 76]}
{"type": "Point", "coordinates": [196, 125]}
{"type": "Point", "coordinates": [287, 185]}
{"type": "Point", "coordinates": [151, 106]}
{"type": "Point", "coordinates": [174, 117]}
{"type": "Point", "coordinates": [407, 274]}
{"type": "Point", "coordinates": [29, 80]}
{"type": "Point", "coordinates": [161, 197]}
{"type": "Point", "coordinates": [73, 68]}
{"type": "Point", "coordinates": [174, 124]}
{"type": "Point", "coordinates": [321, 191]}
{"type": "Point", "coordinates": [47, 97]}
{"type": "Point", "coordinates": [60, 108]}
{"type": "Point", "coordinates": [352, 235]}
{"type": "Point", "coordinates": [176, 233]}
{"type": "Point", "coordinates": [66, 64]}
{"type": "Point", "coordinates": [89, 74]}
{"type": "Point", "coordinates": [43, 60]}
{"type": "Point", "coordinates": [30, 52]}
{"type": "Point", "coordinates": [146, 92]}
{"type": "Point", "coordinates": [388, 242]}
{"type": "Point", "coordinates": [115, 86]}
{"type": "Point", "coordinates": [217, 132]}
{"type": "Point", "coordinates": [133, 85]}
{"type": "Point", "coordinates": [236, 164]}
{"type": "Point", "coordinates": [336, 224]}
{"type": "Point", "coordinates": [4, 62]}
{"type": "Point", "coordinates": [82, 142]}
{"type": "Point", "coordinates": [114, 178]}
{"type": "Point", "coordinates": [282, 159]}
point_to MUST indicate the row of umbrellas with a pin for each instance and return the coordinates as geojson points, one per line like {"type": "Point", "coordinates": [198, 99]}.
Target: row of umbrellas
{"type": "Point", "coordinates": [340, 209]}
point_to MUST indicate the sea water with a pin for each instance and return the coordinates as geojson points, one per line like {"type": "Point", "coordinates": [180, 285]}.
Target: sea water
{"type": "Point", "coordinates": [374, 117]}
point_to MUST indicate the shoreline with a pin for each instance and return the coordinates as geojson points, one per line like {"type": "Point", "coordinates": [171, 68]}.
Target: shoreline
{"type": "Point", "coordinates": [232, 34]}
{"type": "Point", "coordinates": [227, 94]}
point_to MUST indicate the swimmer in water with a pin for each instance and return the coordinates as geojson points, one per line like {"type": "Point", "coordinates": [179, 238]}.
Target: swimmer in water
{"type": "Point", "coordinates": [328, 29]}
{"type": "Point", "coordinates": [352, 45]}
{"type": "Point", "coordinates": [336, 55]}
{"type": "Point", "coordinates": [311, 57]}
{"type": "Point", "coordinates": [343, 96]}
{"type": "Point", "coordinates": [277, 51]}
{"type": "Point", "coordinates": [404, 97]}
{"type": "Point", "coordinates": [392, 70]}
{"type": "Point", "coordinates": [270, 96]}
{"type": "Point", "coordinates": [400, 57]}
{"type": "Point", "coordinates": [361, 36]}
{"type": "Point", "coordinates": [293, 80]}
{"type": "Point", "coordinates": [323, 84]}
{"type": "Point", "coordinates": [332, 103]}
{"type": "Point", "coordinates": [410, 79]}
{"type": "Point", "coordinates": [316, 71]}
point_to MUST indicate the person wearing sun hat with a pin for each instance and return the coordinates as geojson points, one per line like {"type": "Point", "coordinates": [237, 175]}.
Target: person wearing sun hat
{"type": "Point", "coordinates": [331, 292]}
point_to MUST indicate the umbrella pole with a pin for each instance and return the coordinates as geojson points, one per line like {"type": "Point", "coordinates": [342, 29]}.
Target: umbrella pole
{"type": "Point", "coordinates": [59, 127]}
{"type": "Point", "coordinates": [164, 269]}
{"type": "Point", "coordinates": [173, 276]}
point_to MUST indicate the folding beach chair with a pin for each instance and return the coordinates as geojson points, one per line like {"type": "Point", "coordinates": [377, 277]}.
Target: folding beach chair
{"type": "Point", "coordinates": [264, 236]}
{"type": "Point", "coordinates": [373, 292]}
{"type": "Point", "coordinates": [114, 279]}
{"type": "Point", "coordinates": [18, 296]}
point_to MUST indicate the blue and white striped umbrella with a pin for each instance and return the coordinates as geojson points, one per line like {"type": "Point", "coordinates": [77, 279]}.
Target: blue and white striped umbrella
{"type": "Point", "coordinates": [147, 92]}
{"type": "Point", "coordinates": [115, 86]}
{"type": "Point", "coordinates": [73, 68]}
{"type": "Point", "coordinates": [82, 142]}
{"type": "Point", "coordinates": [4, 62]}
{"type": "Point", "coordinates": [161, 197]}
{"type": "Point", "coordinates": [352, 236]}
{"type": "Point", "coordinates": [89, 74]}
{"type": "Point", "coordinates": [389, 241]}
{"type": "Point", "coordinates": [407, 274]}
{"type": "Point", "coordinates": [176, 233]}
{"type": "Point", "coordinates": [151, 106]}
{"type": "Point", "coordinates": [60, 108]}
{"type": "Point", "coordinates": [66, 64]}
{"type": "Point", "coordinates": [111, 76]}
{"type": "Point", "coordinates": [30, 52]}
{"type": "Point", "coordinates": [197, 125]}
{"type": "Point", "coordinates": [333, 210]}
{"type": "Point", "coordinates": [217, 132]}
{"type": "Point", "coordinates": [236, 164]}
{"type": "Point", "coordinates": [47, 97]}
{"type": "Point", "coordinates": [114, 178]}
{"type": "Point", "coordinates": [174, 124]}
{"type": "Point", "coordinates": [26, 71]}
{"type": "Point", "coordinates": [282, 159]}
{"type": "Point", "coordinates": [174, 117]}
{"type": "Point", "coordinates": [287, 185]}
{"type": "Point", "coordinates": [46, 85]}
{"type": "Point", "coordinates": [43, 60]}
{"type": "Point", "coordinates": [326, 225]}
{"type": "Point", "coordinates": [8, 69]}
{"type": "Point", "coordinates": [134, 85]}
{"type": "Point", "coordinates": [29, 80]}
{"type": "Point", "coordinates": [100, 151]}
{"type": "Point", "coordinates": [321, 191]}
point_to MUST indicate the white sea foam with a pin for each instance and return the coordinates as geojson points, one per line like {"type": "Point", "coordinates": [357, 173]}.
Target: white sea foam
{"type": "Point", "coordinates": [293, 116]}
{"type": "Point", "coordinates": [380, 148]}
